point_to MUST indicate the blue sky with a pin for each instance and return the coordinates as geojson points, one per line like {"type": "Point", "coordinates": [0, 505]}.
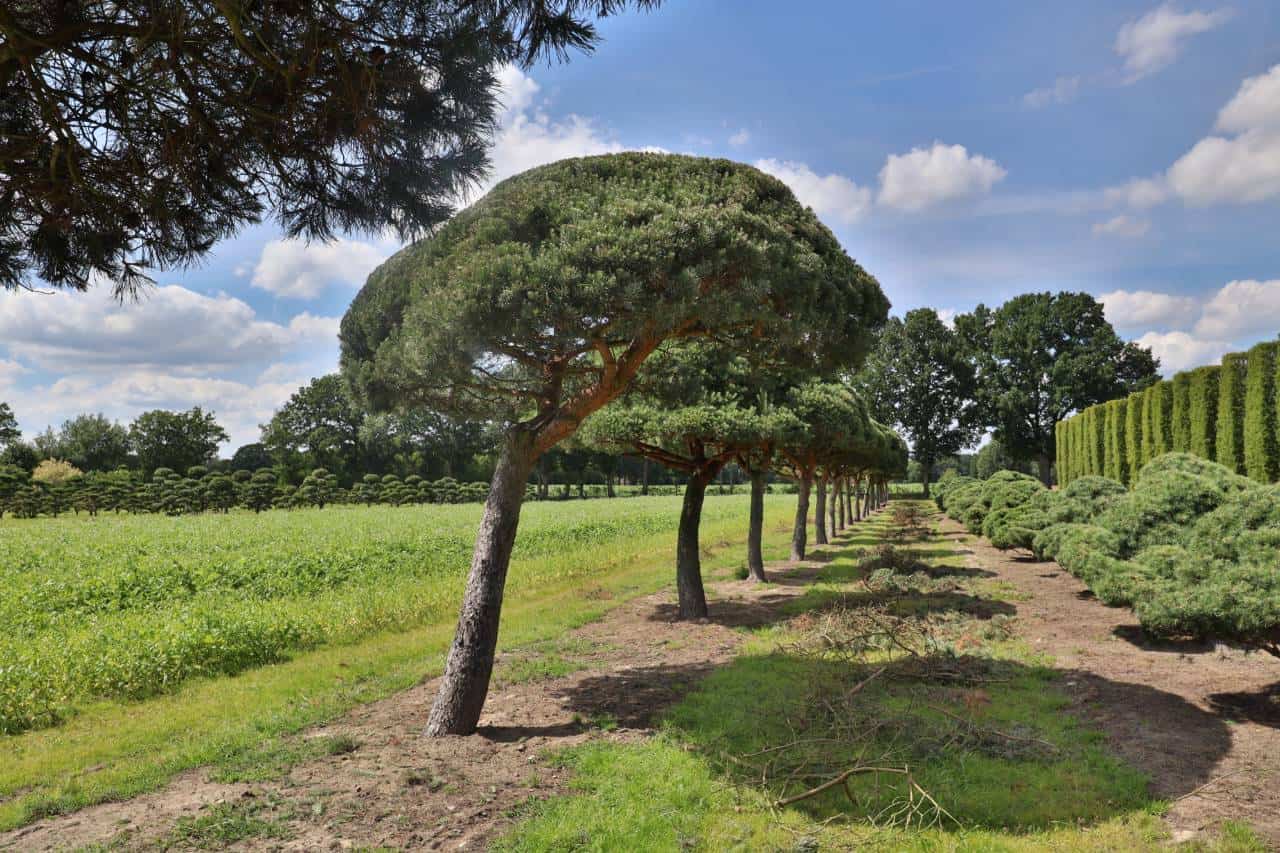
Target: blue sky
{"type": "Point", "coordinates": [962, 153]}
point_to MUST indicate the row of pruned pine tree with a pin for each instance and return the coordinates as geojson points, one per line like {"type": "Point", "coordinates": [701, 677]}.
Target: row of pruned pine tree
{"type": "Point", "coordinates": [1227, 413]}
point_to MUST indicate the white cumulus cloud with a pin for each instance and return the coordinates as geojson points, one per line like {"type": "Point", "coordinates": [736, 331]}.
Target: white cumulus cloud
{"type": "Point", "coordinates": [742, 137]}
{"type": "Point", "coordinates": [1256, 106]}
{"type": "Point", "coordinates": [829, 195]}
{"type": "Point", "coordinates": [1063, 91]}
{"type": "Point", "coordinates": [1139, 193]}
{"type": "Point", "coordinates": [528, 136]}
{"type": "Point", "coordinates": [1146, 308]}
{"type": "Point", "coordinates": [1122, 226]}
{"type": "Point", "coordinates": [925, 177]}
{"type": "Point", "coordinates": [1181, 351]}
{"type": "Point", "coordinates": [1242, 168]}
{"type": "Point", "coordinates": [300, 270]}
{"type": "Point", "coordinates": [1152, 42]}
{"type": "Point", "coordinates": [1238, 170]}
{"type": "Point", "coordinates": [171, 328]}
{"type": "Point", "coordinates": [1240, 309]}
{"type": "Point", "coordinates": [1241, 165]}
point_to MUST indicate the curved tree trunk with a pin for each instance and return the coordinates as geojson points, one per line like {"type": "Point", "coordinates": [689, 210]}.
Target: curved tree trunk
{"type": "Point", "coordinates": [800, 533]}
{"type": "Point", "coordinates": [755, 529]}
{"type": "Point", "coordinates": [693, 599]}
{"type": "Point", "coordinates": [820, 513]}
{"type": "Point", "coordinates": [465, 683]}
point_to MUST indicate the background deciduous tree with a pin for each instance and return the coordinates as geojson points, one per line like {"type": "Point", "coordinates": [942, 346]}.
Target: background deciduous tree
{"type": "Point", "coordinates": [9, 431]}
{"type": "Point", "coordinates": [317, 427]}
{"type": "Point", "coordinates": [920, 378]}
{"type": "Point", "coordinates": [175, 440]}
{"type": "Point", "coordinates": [1041, 356]}
{"type": "Point", "coordinates": [90, 442]}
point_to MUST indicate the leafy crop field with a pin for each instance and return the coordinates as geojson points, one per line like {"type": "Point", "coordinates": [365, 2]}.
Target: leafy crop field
{"type": "Point", "coordinates": [130, 607]}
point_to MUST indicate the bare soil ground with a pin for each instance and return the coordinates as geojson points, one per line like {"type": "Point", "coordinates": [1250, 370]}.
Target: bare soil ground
{"type": "Point", "coordinates": [1204, 722]}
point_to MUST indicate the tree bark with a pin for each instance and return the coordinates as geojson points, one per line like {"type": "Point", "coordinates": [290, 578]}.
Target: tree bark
{"type": "Point", "coordinates": [1045, 464]}
{"type": "Point", "coordinates": [840, 492]}
{"type": "Point", "coordinates": [831, 509]}
{"type": "Point", "coordinates": [820, 513]}
{"type": "Point", "coordinates": [465, 683]}
{"type": "Point", "coordinates": [755, 529]}
{"type": "Point", "coordinates": [800, 533]}
{"type": "Point", "coordinates": [848, 499]}
{"type": "Point", "coordinates": [644, 476]}
{"type": "Point", "coordinates": [924, 477]}
{"type": "Point", "coordinates": [692, 597]}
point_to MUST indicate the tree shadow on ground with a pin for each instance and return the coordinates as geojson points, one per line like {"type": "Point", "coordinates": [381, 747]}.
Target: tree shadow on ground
{"type": "Point", "coordinates": [1135, 636]}
{"type": "Point", "coordinates": [1261, 706]}
{"type": "Point", "coordinates": [957, 572]}
{"type": "Point", "coordinates": [759, 611]}
{"type": "Point", "coordinates": [1001, 752]}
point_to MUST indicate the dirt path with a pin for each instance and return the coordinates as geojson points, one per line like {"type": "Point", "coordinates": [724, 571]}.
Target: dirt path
{"type": "Point", "coordinates": [397, 789]}
{"type": "Point", "coordinates": [1202, 720]}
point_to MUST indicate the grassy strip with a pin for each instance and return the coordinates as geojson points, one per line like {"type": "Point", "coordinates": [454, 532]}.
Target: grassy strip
{"type": "Point", "coordinates": [113, 750]}
{"type": "Point", "coordinates": [1027, 776]}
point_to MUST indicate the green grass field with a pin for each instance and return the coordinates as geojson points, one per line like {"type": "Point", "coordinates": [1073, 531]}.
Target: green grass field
{"type": "Point", "coordinates": [138, 647]}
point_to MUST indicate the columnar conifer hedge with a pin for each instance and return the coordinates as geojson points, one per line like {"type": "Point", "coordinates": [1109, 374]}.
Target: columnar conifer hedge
{"type": "Point", "coordinates": [1180, 428]}
{"type": "Point", "coordinates": [1161, 417]}
{"type": "Point", "coordinates": [1230, 430]}
{"type": "Point", "coordinates": [1229, 414]}
{"type": "Point", "coordinates": [1148, 426]}
{"type": "Point", "coordinates": [1133, 432]}
{"type": "Point", "coordinates": [1203, 411]}
{"type": "Point", "coordinates": [1260, 461]}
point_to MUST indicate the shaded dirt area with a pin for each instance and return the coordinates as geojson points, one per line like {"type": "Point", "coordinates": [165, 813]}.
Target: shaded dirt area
{"type": "Point", "coordinates": [1202, 720]}
{"type": "Point", "coordinates": [393, 788]}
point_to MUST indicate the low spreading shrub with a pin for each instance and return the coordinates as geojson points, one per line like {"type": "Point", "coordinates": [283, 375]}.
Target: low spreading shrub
{"type": "Point", "coordinates": [1193, 548]}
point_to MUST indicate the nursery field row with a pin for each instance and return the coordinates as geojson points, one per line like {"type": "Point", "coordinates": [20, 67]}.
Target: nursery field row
{"type": "Point", "coordinates": [1192, 547]}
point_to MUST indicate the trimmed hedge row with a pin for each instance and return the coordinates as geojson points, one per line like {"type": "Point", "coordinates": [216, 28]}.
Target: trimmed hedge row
{"type": "Point", "coordinates": [1229, 414]}
{"type": "Point", "coordinates": [1192, 547]}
